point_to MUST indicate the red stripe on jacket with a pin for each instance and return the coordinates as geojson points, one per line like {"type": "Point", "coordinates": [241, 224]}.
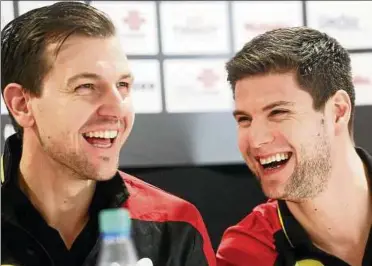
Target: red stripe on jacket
{"type": "Point", "coordinates": [149, 203]}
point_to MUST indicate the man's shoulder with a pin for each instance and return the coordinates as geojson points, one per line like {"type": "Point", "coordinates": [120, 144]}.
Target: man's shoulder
{"type": "Point", "coordinates": [262, 221]}
{"type": "Point", "coordinates": [252, 239]}
{"type": "Point", "coordinates": [264, 214]}
{"type": "Point", "coordinates": [148, 202]}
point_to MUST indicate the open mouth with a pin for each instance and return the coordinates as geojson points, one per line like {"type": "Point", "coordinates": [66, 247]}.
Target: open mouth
{"type": "Point", "coordinates": [101, 139]}
{"type": "Point", "coordinates": [275, 161]}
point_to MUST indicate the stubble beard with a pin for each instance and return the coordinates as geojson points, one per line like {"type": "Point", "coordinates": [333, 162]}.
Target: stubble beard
{"type": "Point", "coordinates": [76, 163]}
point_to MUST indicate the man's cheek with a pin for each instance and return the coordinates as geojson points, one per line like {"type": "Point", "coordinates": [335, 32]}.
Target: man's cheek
{"type": "Point", "coordinates": [243, 145]}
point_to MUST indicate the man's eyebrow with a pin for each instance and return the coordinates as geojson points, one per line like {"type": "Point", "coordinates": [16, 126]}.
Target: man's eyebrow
{"type": "Point", "coordinates": [266, 108]}
{"type": "Point", "coordinates": [86, 75]}
{"type": "Point", "coordinates": [127, 76]}
{"type": "Point", "coordinates": [242, 113]}
{"type": "Point", "coordinates": [94, 76]}
{"type": "Point", "coordinates": [276, 104]}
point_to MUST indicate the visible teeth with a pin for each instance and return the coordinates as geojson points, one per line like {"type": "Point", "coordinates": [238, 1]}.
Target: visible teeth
{"type": "Point", "coordinates": [112, 134]}
{"type": "Point", "coordinates": [102, 145]}
{"type": "Point", "coordinates": [274, 158]}
{"type": "Point", "coordinates": [107, 134]}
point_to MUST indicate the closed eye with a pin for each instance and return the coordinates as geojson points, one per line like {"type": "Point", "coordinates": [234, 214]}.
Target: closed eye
{"type": "Point", "coordinates": [123, 84]}
{"type": "Point", "coordinates": [243, 120]}
{"type": "Point", "coordinates": [85, 86]}
{"type": "Point", "coordinates": [85, 89]}
{"type": "Point", "coordinates": [278, 112]}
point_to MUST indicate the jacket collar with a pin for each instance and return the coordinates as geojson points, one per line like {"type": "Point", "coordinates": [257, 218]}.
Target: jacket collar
{"type": "Point", "coordinates": [108, 194]}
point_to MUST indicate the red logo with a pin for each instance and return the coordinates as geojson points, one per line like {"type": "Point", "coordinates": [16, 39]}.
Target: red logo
{"type": "Point", "coordinates": [360, 80]}
{"type": "Point", "coordinates": [134, 20]}
{"type": "Point", "coordinates": [208, 78]}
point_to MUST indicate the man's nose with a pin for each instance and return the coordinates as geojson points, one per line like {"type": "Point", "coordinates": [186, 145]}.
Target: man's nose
{"type": "Point", "coordinates": [114, 103]}
{"type": "Point", "coordinates": [259, 134]}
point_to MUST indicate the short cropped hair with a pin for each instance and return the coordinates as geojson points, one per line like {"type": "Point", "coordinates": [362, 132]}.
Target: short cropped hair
{"type": "Point", "coordinates": [321, 64]}
{"type": "Point", "coordinates": [24, 40]}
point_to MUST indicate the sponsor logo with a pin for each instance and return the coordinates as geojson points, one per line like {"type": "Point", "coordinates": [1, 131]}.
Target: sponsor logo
{"type": "Point", "coordinates": [341, 22]}
{"type": "Point", "coordinates": [134, 20]}
{"type": "Point", "coordinates": [195, 25]}
{"type": "Point", "coordinates": [208, 78]}
{"type": "Point", "coordinates": [143, 86]}
{"type": "Point", "coordinates": [361, 80]}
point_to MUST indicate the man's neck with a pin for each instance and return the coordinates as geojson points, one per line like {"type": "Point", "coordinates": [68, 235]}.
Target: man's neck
{"type": "Point", "coordinates": [61, 197]}
{"type": "Point", "coordinates": [339, 220]}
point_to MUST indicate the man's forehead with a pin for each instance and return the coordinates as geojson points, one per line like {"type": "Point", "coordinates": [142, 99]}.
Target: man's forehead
{"type": "Point", "coordinates": [270, 87]}
{"type": "Point", "coordinates": [257, 97]}
{"type": "Point", "coordinates": [112, 66]}
{"type": "Point", "coordinates": [268, 81]}
{"type": "Point", "coordinates": [88, 49]}
{"type": "Point", "coordinates": [89, 55]}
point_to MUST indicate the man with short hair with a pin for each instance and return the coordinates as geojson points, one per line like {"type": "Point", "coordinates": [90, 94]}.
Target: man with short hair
{"type": "Point", "coordinates": [67, 86]}
{"type": "Point", "coordinates": [294, 107]}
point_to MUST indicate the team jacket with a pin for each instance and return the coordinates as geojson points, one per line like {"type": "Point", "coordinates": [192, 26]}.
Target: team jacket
{"type": "Point", "coordinates": [271, 236]}
{"type": "Point", "coordinates": [166, 229]}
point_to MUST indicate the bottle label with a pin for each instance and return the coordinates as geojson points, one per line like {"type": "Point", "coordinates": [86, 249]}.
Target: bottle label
{"type": "Point", "coordinates": [114, 238]}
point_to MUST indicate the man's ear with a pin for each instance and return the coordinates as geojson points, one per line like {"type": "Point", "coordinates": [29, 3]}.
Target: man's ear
{"type": "Point", "coordinates": [19, 105]}
{"type": "Point", "coordinates": [341, 106]}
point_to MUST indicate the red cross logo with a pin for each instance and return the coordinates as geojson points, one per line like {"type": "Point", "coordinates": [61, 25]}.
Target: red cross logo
{"type": "Point", "coordinates": [134, 20]}
{"type": "Point", "coordinates": [208, 78]}
{"type": "Point", "coordinates": [361, 80]}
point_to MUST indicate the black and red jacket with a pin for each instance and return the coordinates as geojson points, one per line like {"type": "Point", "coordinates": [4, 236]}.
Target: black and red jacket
{"type": "Point", "coordinates": [271, 236]}
{"type": "Point", "coordinates": [166, 229]}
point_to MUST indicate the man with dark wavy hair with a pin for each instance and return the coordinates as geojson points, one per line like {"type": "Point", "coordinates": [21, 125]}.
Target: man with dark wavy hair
{"type": "Point", "coordinates": [67, 85]}
{"type": "Point", "coordinates": [294, 107]}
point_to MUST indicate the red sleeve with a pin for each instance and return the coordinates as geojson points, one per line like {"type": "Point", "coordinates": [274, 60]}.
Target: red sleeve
{"type": "Point", "coordinates": [251, 241]}
{"type": "Point", "coordinates": [191, 215]}
{"type": "Point", "coordinates": [149, 203]}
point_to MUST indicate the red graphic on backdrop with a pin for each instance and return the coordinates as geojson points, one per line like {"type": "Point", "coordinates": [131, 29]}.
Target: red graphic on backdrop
{"type": "Point", "coordinates": [134, 20]}
{"type": "Point", "coordinates": [208, 78]}
{"type": "Point", "coordinates": [360, 80]}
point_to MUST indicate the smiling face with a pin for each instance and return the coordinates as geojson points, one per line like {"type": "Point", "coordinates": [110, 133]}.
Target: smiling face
{"type": "Point", "coordinates": [85, 113]}
{"type": "Point", "coordinates": [284, 141]}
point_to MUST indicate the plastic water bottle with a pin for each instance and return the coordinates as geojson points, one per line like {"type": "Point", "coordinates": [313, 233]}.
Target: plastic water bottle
{"type": "Point", "coordinates": [117, 248]}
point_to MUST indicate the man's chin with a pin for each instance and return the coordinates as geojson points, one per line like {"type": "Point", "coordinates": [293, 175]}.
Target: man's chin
{"type": "Point", "coordinates": [101, 173]}
{"type": "Point", "coordinates": [104, 178]}
{"type": "Point", "coordinates": [106, 169]}
{"type": "Point", "coordinates": [106, 175]}
{"type": "Point", "coordinates": [272, 191]}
